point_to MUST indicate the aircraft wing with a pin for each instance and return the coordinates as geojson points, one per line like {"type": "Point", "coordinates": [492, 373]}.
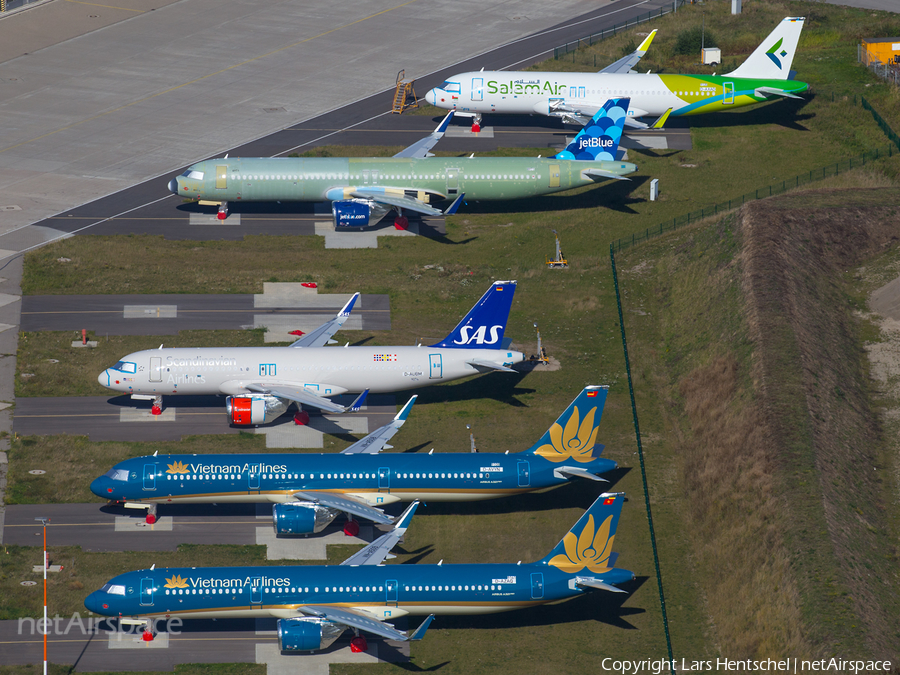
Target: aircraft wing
{"type": "Point", "coordinates": [377, 440]}
{"type": "Point", "coordinates": [419, 149]}
{"type": "Point", "coordinates": [321, 335]}
{"type": "Point", "coordinates": [408, 203]}
{"type": "Point", "coordinates": [345, 504]}
{"type": "Point", "coordinates": [297, 393]}
{"type": "Point", "coordinates": [627, 63]}
{"type": "Point", "coordinates": [377, 551]}
{"type": "Point", "coordinates": [360, 621]}
{"type": "Point", "coordinates": [774, 91]}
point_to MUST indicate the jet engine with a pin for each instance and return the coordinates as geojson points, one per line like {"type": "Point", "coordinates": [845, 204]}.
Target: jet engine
{"type": "Point", "coordinates": [307, 634]}
{"type": "Point", "coordinates": [301, 518]}
{"type": "Point", "coordinates": [254, 409]}
{"type": "Point", "coordinates": [357, 212]}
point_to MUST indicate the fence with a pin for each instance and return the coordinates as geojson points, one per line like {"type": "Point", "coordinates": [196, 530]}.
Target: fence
{"type": "Point", "coordinates": [573, 46]}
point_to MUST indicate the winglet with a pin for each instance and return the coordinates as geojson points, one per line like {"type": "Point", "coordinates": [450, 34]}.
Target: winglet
{"type": "Point", "coordinates": [658, 124]}
{"type": "Point", "coordinates": [645, 45]}
{"type": "Point", "coordinates": [442, 127]}
{"type": "Point", "coordinates": [357, 404]}
{"type": "Point", "coordinates": [404, 411]}
{"type": "Point", "coordinates": [345, 311]}
{"type": "Point", "coordinates": [454, 207]}
{"type": "Point", "coordinates": [420, 631]}
{"type": "Point", "coordinates": [405, 518]}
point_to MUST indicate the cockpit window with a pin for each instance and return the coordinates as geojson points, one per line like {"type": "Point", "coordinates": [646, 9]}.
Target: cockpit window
{"type": "Point", "coordinates": [117, 474]}
{"type": "Point", "coordinates": [451, 87]}
{"type": "Point", "coordinates": [193, 173]}
{"type": "Point", "coordinates": [114, 589]}
{"type": "Point", "coordinates": [125, 367]}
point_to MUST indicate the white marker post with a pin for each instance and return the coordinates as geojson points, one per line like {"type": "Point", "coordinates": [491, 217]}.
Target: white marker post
{"type": "Point", "coordinates": [44, 522]}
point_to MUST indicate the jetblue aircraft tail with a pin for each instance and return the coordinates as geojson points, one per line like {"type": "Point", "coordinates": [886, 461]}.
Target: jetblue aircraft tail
{"type": "Point", "coordinates": [599, 139]}
{"type": "Point", "coordinates": [772, 59]}
{"type": "Point", "coordinates": [573, 436]}
{"type": "Point", "coordinates": [590, 541]}
{"type": "Point", "coordinates": [483, 326]}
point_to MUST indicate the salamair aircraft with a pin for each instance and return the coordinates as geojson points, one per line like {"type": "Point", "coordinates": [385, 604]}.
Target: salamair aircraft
{"type": "Point", "coordinates": [574, 97]}
{"type": "Point", "coordinates": [262, 382]}
{"type": "Point", "coordinates": [363, 190]}
{"type": "Point", "coordinates": [309, 490]}
{"type": "Point", "coordinates": [315, 604]}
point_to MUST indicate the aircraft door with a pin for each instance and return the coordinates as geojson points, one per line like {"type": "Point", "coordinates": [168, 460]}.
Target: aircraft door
{"type": "Point", "coordinates": [537, 585]}
{"type": "Point", "coordinates": [728, 91]}
{"type": "Point", "coordinates": [435, 367]}
{"type": "Point", "coordinates": [155, 369]}
{"type": "Point", "coordinates": [390, 592]}
{"type": "Point", "coordinates": [256, 590]}
{"type": "Point", "coordinates": [554, 175]}
{"type": "Point", "coordinates": [524, 473]}
{"type": "Point", "coordinates": [253, 479]}
{"type": "Point", "coordinates": [452, 181]}
{"type": "Point", "coordinates": [477, 88]}
{"type": "Point", "coordinates": [375, 175]}
{"type": "Point", "coordinates": [147, 590]}
{"type": "Point", "coordinates": [384, 478]}
{"type": "Point", "coordinates": [149, 476]}
{"type": "Point", "coordinates": [221, 177]}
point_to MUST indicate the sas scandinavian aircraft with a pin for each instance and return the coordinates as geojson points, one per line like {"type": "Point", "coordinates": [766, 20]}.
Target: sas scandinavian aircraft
{"type": "Point", "coordinates": [309, 490]}
{"type": "Point", "coordinates": [363, 190]}
{"type": "Point", "coordinates": [315, 604]}
{"type": "Point", "coordinates": [575, 97]}
{"type": "Point", "coordinates": [262, 382]}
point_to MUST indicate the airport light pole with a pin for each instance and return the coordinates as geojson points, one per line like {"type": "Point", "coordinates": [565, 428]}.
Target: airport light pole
{"type": "Point", "coordinates": [44, 522]}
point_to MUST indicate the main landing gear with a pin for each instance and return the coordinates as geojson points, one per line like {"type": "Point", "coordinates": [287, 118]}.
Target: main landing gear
{"type": "Point", "coordinates": [401, 222]}
{"type": "Point", "coordinates": [223, 211]}
{"type": "Point", "coordinates": [156, 407]}
{"type": "Point", "coordinates": [476, 124]}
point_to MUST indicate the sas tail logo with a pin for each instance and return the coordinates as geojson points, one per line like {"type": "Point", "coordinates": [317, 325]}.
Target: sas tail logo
{"type": "Point", "coordinates": [589, 550]}
{"type": "Point", "coordinates": [180, 582]}
{"type": "Point", "coordinates": [177, 467]}
{"type": "Point", "coordinates": [478, 337]}
{"type": "Point", "coordinates": [576, 441]}
{"type": "Point", "coordinates": [773, 49]}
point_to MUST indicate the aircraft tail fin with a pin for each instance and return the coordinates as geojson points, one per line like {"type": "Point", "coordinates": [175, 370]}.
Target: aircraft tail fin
{"type": "Point", "coordinates": [599, 139]}
{"type": "Point", "coordinates": [483, 326]}
{"type": "Point", "coordinates": [771, 60]}
{"type": "Point", "coordinates": [588, 545]}
{"type": "Point", "coordinates": [574, 434]}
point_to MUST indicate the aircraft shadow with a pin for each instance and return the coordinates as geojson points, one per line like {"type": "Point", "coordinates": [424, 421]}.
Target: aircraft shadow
{"type": "Point", "coordinates": [501, 387]}
{"type": "Point", "coordinates": [786, 114]}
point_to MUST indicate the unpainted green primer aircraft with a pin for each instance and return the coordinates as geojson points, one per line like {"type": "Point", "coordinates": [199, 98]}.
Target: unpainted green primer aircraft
{"type": "Point", "coordinates": [364, 190]}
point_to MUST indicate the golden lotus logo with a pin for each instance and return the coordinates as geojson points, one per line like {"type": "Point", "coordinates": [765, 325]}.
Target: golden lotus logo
{"type": "Point", "coordinates": [176, 582]}
{"type": "Point", "coordinates": [178, 467]}
{"type": "Point", "coordinates": [589, 549]}
{"type": "Point", "coordinates": [576, 441]}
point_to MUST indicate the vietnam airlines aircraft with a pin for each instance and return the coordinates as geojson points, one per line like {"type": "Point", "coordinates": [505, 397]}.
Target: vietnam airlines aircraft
{"type": "Point", "coordinates": [574, 97]}
{"type": "Point", "coordinates": [363, 190]}
{"type": "Point", "coordinates": [309, 490]}
{"type": "Point", "coordinates": [315, 604]}
{"type": "Point", "coordinates": [262, 382]}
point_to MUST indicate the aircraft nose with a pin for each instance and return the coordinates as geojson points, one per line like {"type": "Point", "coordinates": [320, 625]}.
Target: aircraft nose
{"type": "Point", "coordinates": [95, 603]}
{"type": "Point", "coordinates": [103, 378]}
{"type": "Point", "coordinates": [102, 487]}
{"type": "Point", "coordinates": [431, 96]}
{"type": "Point", "coordinates": [173, 186]}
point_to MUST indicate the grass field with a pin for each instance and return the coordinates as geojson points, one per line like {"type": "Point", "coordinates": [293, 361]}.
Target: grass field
{"type": "Point", "coordinates": [682, 303]}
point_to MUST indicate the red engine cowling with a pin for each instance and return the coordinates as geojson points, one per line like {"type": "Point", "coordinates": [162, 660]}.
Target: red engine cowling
{"type": "Point", "coordinates": [253, 410]}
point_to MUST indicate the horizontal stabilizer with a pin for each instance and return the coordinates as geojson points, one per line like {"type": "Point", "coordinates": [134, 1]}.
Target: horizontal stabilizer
{"type": "Point", "coordinates": [600, 174]}
{"type": "Point", "coordinates": [577, 472]}
{"type": "Point", "coordinates": [481, 363]}
{"type": "Point", "coordinates": [591, 582]}
{"type": "Point", "coordinates": [773, 91]}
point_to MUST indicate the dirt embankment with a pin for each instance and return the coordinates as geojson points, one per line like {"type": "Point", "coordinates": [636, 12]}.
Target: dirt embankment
{"type": "Point", "coordinates": [809, 373]}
